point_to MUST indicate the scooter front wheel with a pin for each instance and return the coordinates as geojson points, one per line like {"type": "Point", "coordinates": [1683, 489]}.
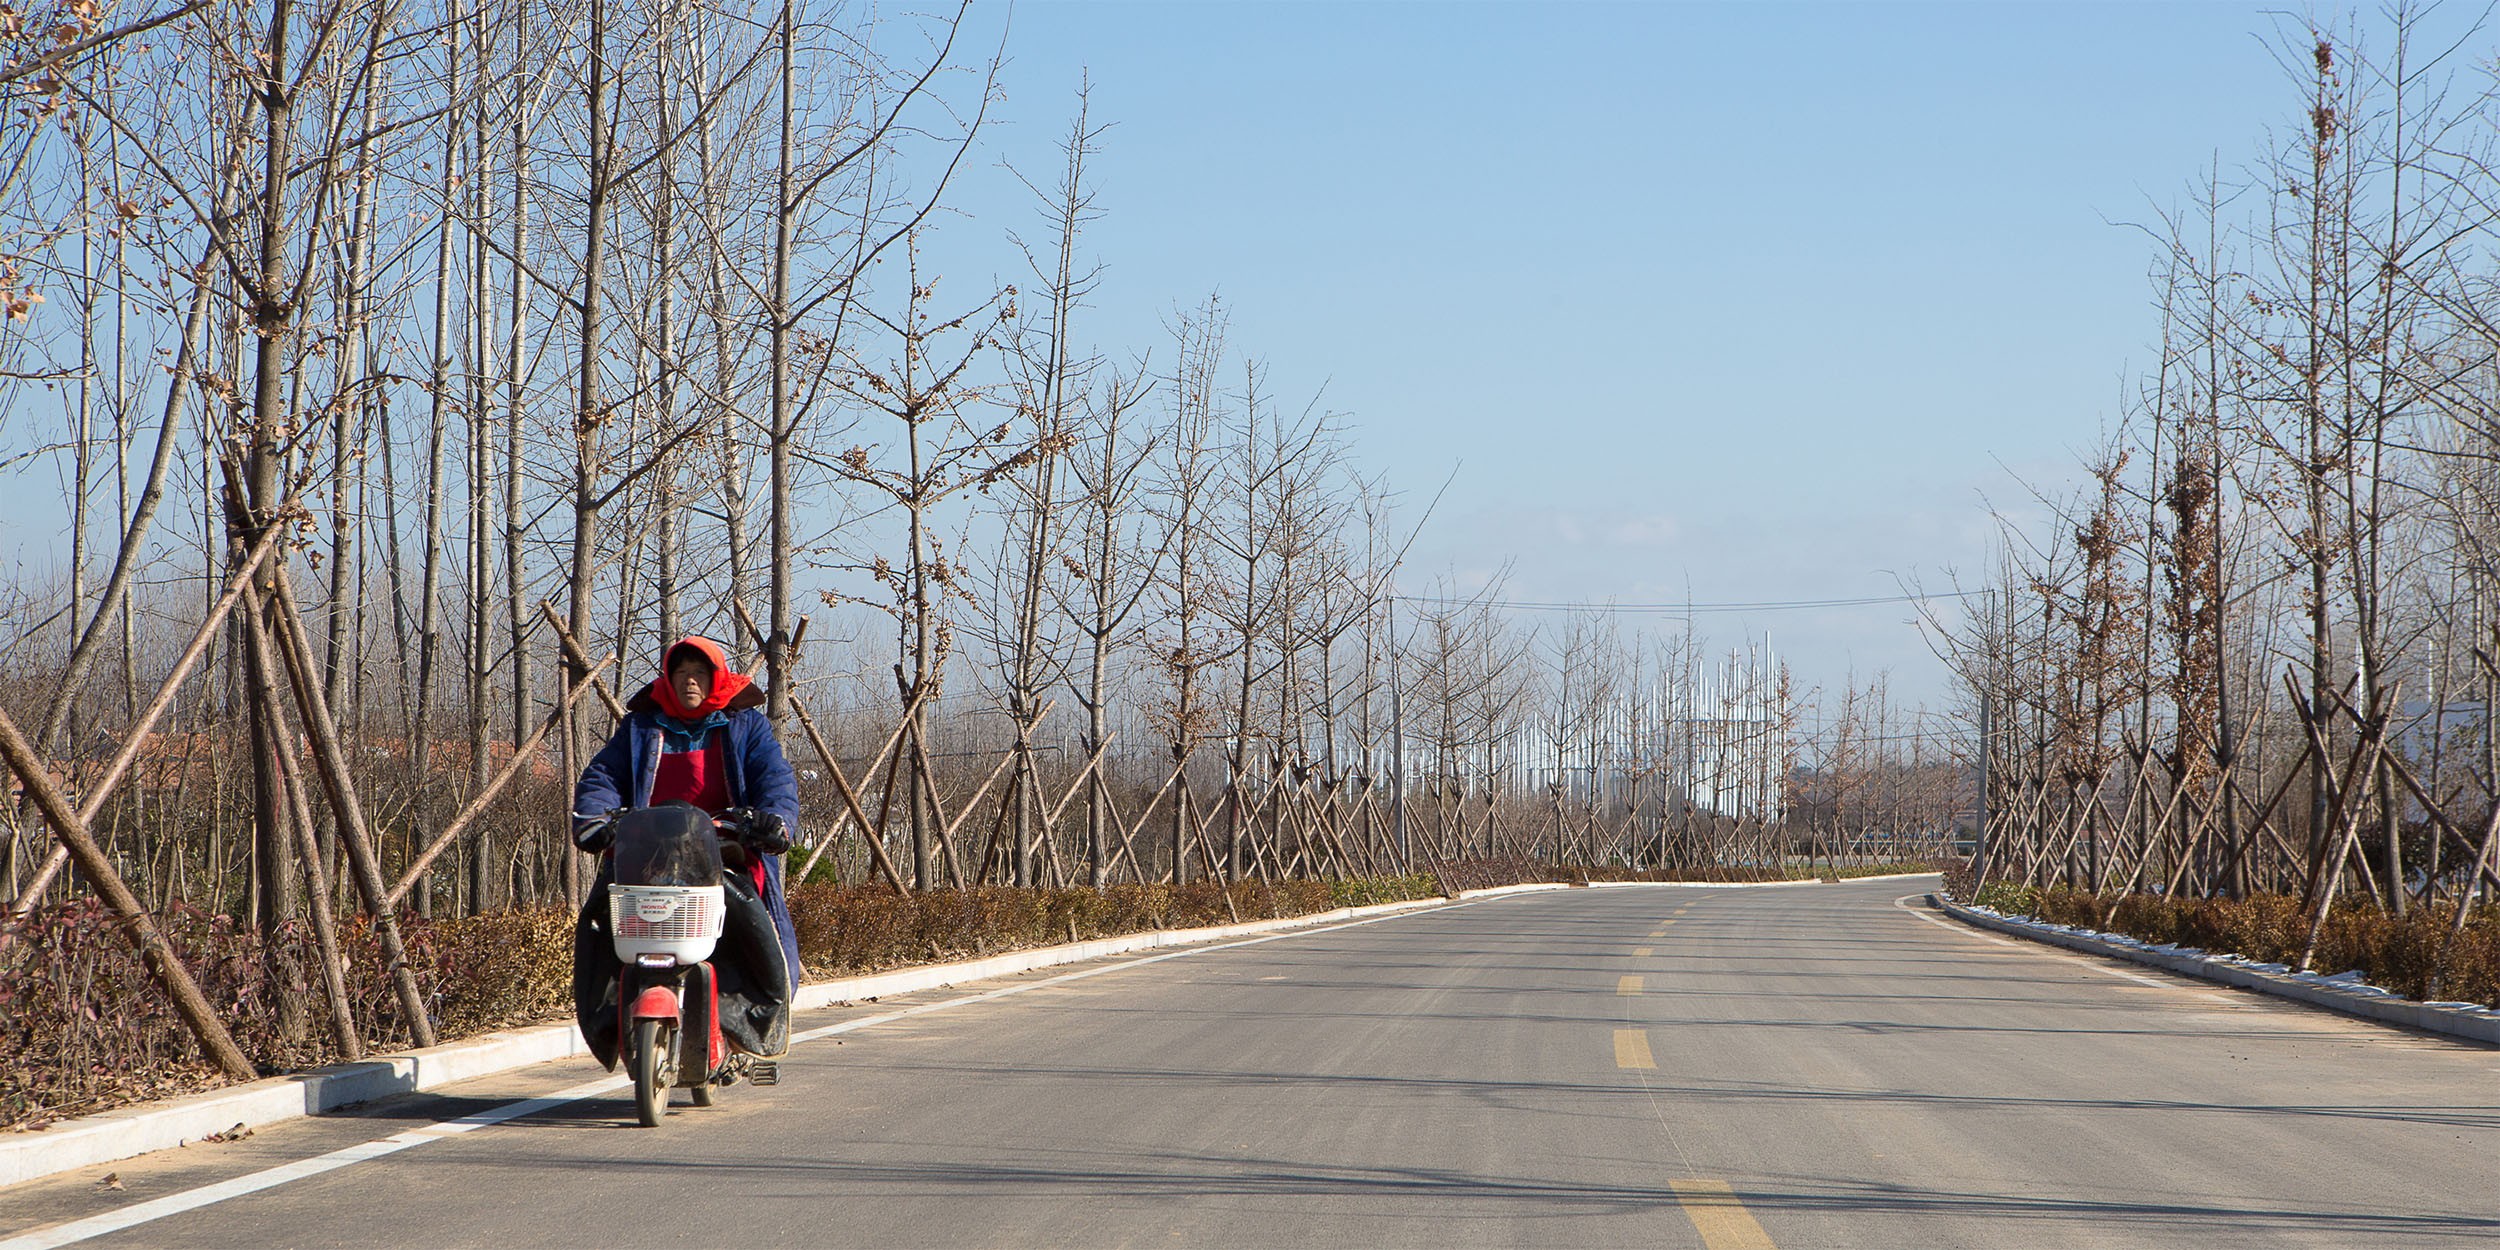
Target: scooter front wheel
{"type": "Point", "coordinates": [650, 1081]}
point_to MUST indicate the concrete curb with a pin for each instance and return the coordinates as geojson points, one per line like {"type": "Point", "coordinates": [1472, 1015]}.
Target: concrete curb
{"type": "Point", "coordinates": [1707, 885]}
{"type": "Point", "coordinates": [2345, 993]}
{"type": "Point", "coordinates": [819, 994]}
{"type": "Point", "coordinates": [136, 1130]}
{"type": "Point", "coordinates": [1766, 885]}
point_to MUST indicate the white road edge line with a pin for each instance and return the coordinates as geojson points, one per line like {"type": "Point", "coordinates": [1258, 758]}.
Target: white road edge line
{"type": "Point", "coordinates": [1950, 927]}
{"type": "Point", "coordinates": [2042, 948]}
{"type": "Point", "coordinates": [287, 1173]}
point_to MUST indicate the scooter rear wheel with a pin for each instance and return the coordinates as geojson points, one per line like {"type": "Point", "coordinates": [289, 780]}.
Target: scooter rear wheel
{"type": "Point", "coordinates": [650, 1084]}
{"type": "Point", "coordinates": [700, 1095]}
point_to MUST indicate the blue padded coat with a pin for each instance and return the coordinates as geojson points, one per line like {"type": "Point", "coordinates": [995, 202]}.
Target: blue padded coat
{"type": "Point", "coordinates": [623, 772]}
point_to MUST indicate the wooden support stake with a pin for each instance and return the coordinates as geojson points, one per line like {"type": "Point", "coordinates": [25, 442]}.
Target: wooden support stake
{"type": "Point", "coordinates": [918, 763]}
{"type": "Point", "coordinates": [1124, 849]}
{"type": "Point", "coordinates": [317, 877]}
{"type": "Point", "coordinates": [2225, 788]}
{"type": "Point", "coordinates": [873, 835]}
{"type": "Point", "coordinates": [1206, 848]}
{"type": "Point", "coordinates": [331, 763]}
{"type": "Point", "coordinates": [975, 801]}
{"type": "Point", "coordinates": [574, 652]}
{"type": "Point", "coordinates": [869, 833]}
{"type": "Point", "coordinates": [216, 1044]}
{"type": "Point", "coordinates": [992, 848]}
{"type": "Point", "coordinates": [104, 786]}
{"type": "Point", "coordinates": [2329, 878]}
{"type": "Point", "coordinates": [477, 806]}
{"type": "Point", "coordinates": [1128, 836]}
{"type": "Point", "coordinates": [1328, 811]}
{"type": "Point", "coordinates": [1092, 763]}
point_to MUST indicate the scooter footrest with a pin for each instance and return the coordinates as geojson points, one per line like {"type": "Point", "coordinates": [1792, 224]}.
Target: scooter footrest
{"type": "Point", "coordinates": [764, 1072]}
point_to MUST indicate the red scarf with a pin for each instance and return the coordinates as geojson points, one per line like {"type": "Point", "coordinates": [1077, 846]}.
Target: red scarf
{"type": "Point", "coordinates": [727, 684]}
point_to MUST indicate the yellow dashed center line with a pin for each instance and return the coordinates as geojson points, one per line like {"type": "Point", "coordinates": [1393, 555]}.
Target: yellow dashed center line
{"type": "Point", "coordinates": [1712, 1206]}
{"type": "Point", "coordinates": [1632, 1049]}
{"type": "Point", "coordinates": [1722, 1221]}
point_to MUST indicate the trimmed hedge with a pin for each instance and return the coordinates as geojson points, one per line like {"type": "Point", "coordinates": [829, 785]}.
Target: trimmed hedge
{"type": "Point", "coordinates": [862, 928]}
{"type": "Point", "coordinates": [84, 1029]}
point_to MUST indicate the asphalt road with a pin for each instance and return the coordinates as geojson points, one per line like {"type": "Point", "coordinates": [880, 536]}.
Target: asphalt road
{"type": "Point", "coordinates": [1813, 1066]}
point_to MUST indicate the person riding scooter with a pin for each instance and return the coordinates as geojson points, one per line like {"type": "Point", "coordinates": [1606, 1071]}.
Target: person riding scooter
{"type": "Point", "coordinates": [697, 736]}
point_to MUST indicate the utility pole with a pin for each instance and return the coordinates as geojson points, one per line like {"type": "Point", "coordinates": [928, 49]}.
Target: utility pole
{"type": "Point", "coordinates": [1979, 841]}
{"type": "Point", "coordinates": [1397, 748]}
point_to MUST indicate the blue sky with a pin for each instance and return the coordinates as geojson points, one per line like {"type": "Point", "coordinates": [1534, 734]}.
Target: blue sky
{"type": "Point", "coordinates": [1759, 302]}
{"type": "Point", "coordinates": [1741, 302]}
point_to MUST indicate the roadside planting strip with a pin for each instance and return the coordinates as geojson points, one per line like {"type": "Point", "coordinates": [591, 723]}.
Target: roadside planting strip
{"type": "Point", "coordinates": [2468, 1021]}
{"type": "Point", "coordinates": [77, 1231]}
{"type": "Point", "coordinates": [305, 1094]}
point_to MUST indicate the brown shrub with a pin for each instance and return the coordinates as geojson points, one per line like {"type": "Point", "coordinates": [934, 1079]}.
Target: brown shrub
{"type": "Point", "coordinates": [2472, 971]}
{"type": "Point", "coordinates": [2269, 928]}
{"type": "Point", "coordinates": [498, 970]}
{"type": "Point", "coordinates": [2414, 956]}
{"type": "Point", "coordinates": [2153, 917]}
{"type": "Point", "coordinates": [2403, 955]}
{"type": "Point", "coordinates": [1494, 872]}
{"type": "Point", "coordinates": [1365, 891]}
{"type": "Point", "coordinates": [1961, 880]}
{"type": "Point", "coordinates": [1700, 872]}
{"type": "Point", "coordinates": [83, 1026]}
{"type": "Point", "coordinates": [864, 927]}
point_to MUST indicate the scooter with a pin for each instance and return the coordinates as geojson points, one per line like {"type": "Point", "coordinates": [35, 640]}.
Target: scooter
{"type": "Point", "coordinates": [666, 908]}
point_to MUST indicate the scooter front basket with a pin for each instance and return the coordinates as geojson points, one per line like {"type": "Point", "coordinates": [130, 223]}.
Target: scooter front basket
{"type": "Point", "coordinates": [682, 922]}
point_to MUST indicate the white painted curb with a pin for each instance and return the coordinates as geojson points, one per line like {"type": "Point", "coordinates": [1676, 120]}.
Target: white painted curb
{"type": "Point", "coordinates": [1764, 885]}
{"type": "Point", "coordinates": [136, 1130]}
{"type": "Point", "coordinates": [2349, 996]}
{"type": "Point", "coordinates": [936, 976]}
{"type": "Point", "coordinates": [145, 1127]}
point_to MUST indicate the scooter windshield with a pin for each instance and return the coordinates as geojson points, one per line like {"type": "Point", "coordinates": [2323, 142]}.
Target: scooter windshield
{"type": "Point", "coordinates": [668, 845]}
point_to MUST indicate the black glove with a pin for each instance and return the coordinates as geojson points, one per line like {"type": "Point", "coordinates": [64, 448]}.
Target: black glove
{"type": "Point", "coordinates": [593, 834]}
{"type": "Point", "coordinates": [759, 831]}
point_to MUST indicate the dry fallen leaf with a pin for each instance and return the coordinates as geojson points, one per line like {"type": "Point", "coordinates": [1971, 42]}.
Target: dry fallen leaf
{"type": "Point", "coordinates": [112, 1180]}
{"type": "Point", "coordinates": [237, 1133]}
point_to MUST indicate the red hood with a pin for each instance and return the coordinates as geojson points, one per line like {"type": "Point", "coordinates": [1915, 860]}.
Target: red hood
{"type": "Point", "coordinates": [727, 683]}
